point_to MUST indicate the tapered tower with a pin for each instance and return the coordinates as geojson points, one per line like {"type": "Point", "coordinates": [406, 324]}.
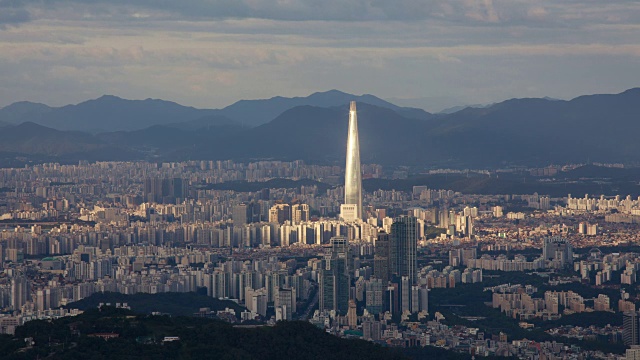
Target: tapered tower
{"type": "Point", "coordinates": [352, 208]}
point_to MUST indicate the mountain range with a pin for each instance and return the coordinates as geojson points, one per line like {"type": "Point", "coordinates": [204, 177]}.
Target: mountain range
{"type": "Point", "coordinates": [528, 132]}
{"type": "Point", "coordinates": [111, 113]}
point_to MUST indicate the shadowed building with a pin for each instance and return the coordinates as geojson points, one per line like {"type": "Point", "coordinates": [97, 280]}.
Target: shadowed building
{"type": "Point", "coordinates": [630, 333]}
{"type": "Point", "coordinates": [381, 258]}
{"type": "Point", "coordinates": [334, 277]}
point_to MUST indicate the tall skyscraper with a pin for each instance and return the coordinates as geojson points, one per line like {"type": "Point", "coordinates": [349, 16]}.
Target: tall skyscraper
{"type": "Point", "coordinates": [352, 207]}
{"type": "Point", "coordinates": [403, 247]}
{"type": "Point", "coordinates": [334, 277]}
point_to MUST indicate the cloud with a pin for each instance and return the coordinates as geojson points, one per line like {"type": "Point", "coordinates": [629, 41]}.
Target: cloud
{"type": "Point", "coordinates": [537, 12]}
{"type": "Point", "coordinates": [483, 11]}
{"type": "Point", "coordinates": [448, 59]}
{"type": "Point", "coordinates": [212, 52]}
{"type": "Point", "coordinates": [13, 16]}
{"type": "Point", "coordinates": [523, 12]}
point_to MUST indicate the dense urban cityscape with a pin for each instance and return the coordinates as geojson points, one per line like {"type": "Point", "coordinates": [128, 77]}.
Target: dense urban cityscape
{"type": "Point", "coordinates": [522, 275]}
{"type": "Point", "coordinates": [319, 180]}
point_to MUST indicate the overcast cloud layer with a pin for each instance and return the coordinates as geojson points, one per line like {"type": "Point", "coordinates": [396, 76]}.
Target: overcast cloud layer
{"type": "Point", "coordinates": [209, 53]}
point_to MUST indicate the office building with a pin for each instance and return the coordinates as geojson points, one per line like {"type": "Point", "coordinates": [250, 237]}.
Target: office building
{"type": "Point", "coordinates": [286, 301]}
{"type": "Point", "coordinates": [403, 247]}
{"type": "Point", "coordinates": [371, 330]}
{"type": "Point", "coordinates": [381, 258]}
{"type": "Point", "coordinates": [374, 295]}
{"type": "Point", "coordinates": [334, 277]}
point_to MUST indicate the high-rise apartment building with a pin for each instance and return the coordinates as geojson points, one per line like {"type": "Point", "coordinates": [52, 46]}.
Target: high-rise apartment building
{"type": "Point", "coordinates": [19, 291]}
{"type": "Point", "coordinates": [246, 213]}
{"type": "Point", "coordinates": [352, 207]}
{"type": "Point", "coordinates": [157, 190]}
{"type": "Point", "coordinates": [300, 213]}
{"type": "Point", "coordinates": [558, 250]}
{"type": "Point", "coordinates": [280, 213]}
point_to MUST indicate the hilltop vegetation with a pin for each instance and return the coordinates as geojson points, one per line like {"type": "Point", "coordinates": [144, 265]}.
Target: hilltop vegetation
{"type": "Point", "coordinates": [140, 336]}
{"type": "Point", "coordinates": [175, 304]}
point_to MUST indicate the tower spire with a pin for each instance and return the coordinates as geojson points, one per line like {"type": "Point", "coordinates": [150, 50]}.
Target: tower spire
{"type": "Point", "coordinates": [352, 208]}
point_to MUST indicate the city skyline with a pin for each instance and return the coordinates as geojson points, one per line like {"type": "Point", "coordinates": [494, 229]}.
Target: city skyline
{"type": "Point", "coordinates": [486, 204]}
{"type": "Point", "coordinates": [263, 255]}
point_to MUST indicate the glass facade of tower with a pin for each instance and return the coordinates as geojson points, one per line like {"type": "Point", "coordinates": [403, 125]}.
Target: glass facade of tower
{"type": "Point", "coordinates": [353, 176]}
{"type": "Point", "coordinates": [404, 245]}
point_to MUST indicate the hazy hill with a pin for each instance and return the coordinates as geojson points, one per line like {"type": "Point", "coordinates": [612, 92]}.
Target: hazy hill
{"type": "Point", "coordinates": [172, 142]}
{"type": "Point", "coordinates": [320, 135]}
{"type": "Point", "coordinates": [111, 113]}
{"type": "Point", "coordinates": [532, 132]}
{"type": "Point", "coordinates": [518, 131]}
{"type": "Point", "coordinates": [207, 122]}
{"type": "Point", "coordinates": [23, 111]}
{"type": "Point", "coordinates": [257, 112]}
{"type": "Point", "coordinates": [42, 143]}
{"type": "Point", "coordinates": [30, 138]}
{"type": "Point", "coordinates": [604, 173]}
{"type": "Point", "coordinates": [537, 131]}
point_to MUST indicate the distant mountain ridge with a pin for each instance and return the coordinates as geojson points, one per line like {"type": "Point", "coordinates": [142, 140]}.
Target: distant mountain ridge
{"type": "Point", "coordinates": [111, 113]}
{"type": "Point", "coordinates": [23, 111]}
{"type": "Point", "coordinates": [257, 112]}
{"type": "Point", "coordinates": [33, 139]}
{"type": "Point", "coordinates": [107, 113]}
{"type": "Point", "coordinates": [455, 109]}
{"type": "Point", "coordinates": [527, 132]}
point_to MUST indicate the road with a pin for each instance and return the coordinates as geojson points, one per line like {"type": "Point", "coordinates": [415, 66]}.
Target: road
{"type": "Point", "coordinates": [312, 305]}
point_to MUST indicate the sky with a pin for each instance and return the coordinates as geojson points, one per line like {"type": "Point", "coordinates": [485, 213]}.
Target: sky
{"type": "Point", "coordinates": [211, 53]}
